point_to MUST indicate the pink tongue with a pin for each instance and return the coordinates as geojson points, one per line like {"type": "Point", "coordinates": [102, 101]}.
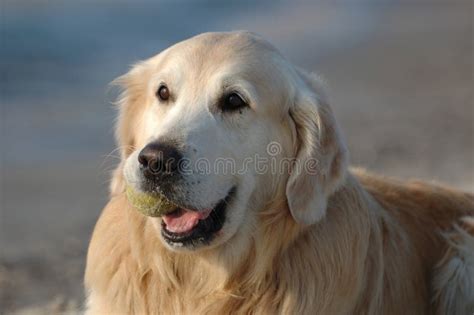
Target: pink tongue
{"type": "Point", "coordinates": [184, 220]}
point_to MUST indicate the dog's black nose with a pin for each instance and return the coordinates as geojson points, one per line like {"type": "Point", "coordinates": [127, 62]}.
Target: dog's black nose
{"type": "Point", "coordinates": [159, 159]}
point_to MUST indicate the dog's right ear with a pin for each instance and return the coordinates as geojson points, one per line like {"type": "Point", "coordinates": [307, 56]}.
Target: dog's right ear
{"type": "Point", "coordinates": [322, 155]}
{"type": "Point", "coordinates": [133, 94]}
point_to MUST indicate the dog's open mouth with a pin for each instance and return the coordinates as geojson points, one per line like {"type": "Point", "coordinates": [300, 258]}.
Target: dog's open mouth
{"type": "Point", "coordinates": [185, 227]}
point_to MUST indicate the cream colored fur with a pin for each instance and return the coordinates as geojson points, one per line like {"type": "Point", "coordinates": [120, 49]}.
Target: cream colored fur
{"type": "Point", "coordinates": [336, 241]}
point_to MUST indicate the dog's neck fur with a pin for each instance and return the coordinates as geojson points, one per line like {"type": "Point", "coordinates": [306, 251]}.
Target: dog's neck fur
{"type": "Point", "coordinates": [206, 282]}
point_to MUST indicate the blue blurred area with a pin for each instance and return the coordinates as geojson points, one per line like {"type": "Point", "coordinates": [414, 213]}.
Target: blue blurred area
{"type": "Point", "coordinates": [58, 57]}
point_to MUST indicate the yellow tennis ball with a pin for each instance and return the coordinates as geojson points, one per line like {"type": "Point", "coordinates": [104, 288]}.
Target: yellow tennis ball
{"type": "Point", "coordinates": [152, 205]}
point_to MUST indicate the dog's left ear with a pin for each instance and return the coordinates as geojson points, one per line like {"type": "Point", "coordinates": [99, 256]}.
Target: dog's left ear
{"type": "Point", "coordinates": [133, 95]}
{"type": "Point", "coordinates": [321, 158]}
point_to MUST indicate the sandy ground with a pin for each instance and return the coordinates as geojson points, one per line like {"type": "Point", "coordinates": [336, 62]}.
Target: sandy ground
{"type": "Point", "coordinates": [400, 77]}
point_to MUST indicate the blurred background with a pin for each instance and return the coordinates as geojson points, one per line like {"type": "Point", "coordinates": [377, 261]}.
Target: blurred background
{"type": "Point", "coordinates": [400, 72]}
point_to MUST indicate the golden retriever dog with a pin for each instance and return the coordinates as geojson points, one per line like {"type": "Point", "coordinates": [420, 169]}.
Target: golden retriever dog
{"type": "Point", "coordinates": [309, 236]}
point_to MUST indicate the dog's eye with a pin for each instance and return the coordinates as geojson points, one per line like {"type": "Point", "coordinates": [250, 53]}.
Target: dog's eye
{"type": "Point", "coordinates": [163, 93]}
{"type": "Point", "coordinates": [233, 101]}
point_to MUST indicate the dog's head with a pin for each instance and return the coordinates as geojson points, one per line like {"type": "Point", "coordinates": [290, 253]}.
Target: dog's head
{"type": "Point", "coordinates": [221, 124]}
